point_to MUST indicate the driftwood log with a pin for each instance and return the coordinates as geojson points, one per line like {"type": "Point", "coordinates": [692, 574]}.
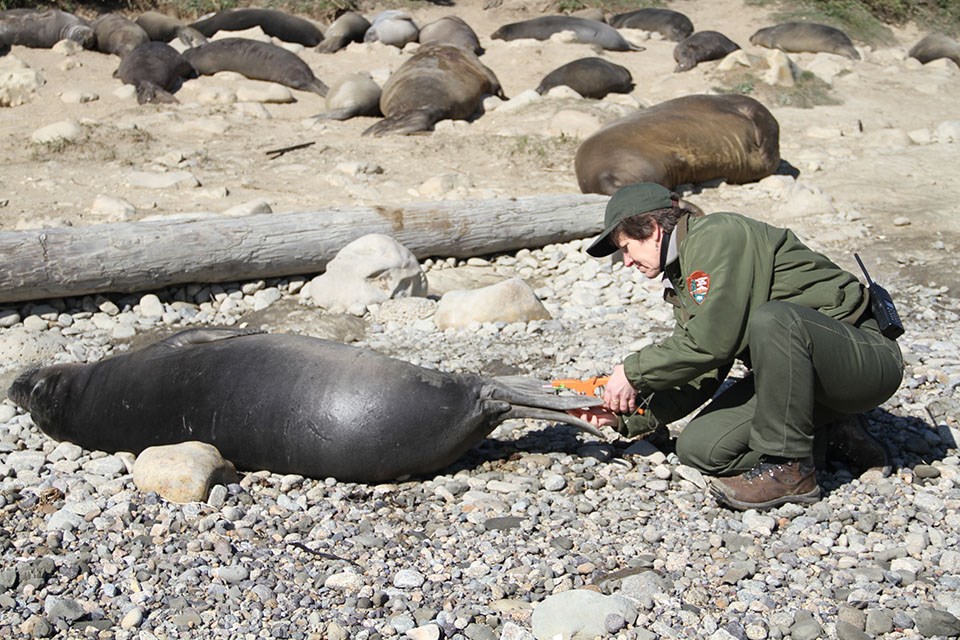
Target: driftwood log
{"type": "Point", "coordinates": [137, 256]}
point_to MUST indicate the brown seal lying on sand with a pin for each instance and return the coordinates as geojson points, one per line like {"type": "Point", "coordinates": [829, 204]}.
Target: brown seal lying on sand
{"type": "Point", "coordinates": [691, 139]}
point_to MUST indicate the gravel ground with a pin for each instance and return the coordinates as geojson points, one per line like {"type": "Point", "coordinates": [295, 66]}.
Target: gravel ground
{"type": "Point", "coordinates": [537, 510]}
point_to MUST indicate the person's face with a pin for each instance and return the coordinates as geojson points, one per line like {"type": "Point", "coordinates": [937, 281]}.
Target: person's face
{"type": "Point", "coordinates": [642, 254]}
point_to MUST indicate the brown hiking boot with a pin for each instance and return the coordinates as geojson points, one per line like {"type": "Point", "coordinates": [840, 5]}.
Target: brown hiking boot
{"type": "Point", "coordinates": [769, 484]}
{"type": "Point", "coordinates": [847, 441]}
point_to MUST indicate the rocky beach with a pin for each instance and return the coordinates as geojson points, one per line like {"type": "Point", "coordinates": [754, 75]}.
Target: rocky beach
{"type": "Point", "coordinates": [542, 531]}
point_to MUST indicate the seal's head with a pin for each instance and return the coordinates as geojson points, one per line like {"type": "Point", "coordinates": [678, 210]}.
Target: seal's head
{"type": "Point", "coordinates": [43, 391]}
{"type": "Point", "coordinates": [82, 34]}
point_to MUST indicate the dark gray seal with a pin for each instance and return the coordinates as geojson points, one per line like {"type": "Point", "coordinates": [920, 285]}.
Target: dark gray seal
{"type": "Point", "coordinates": [805, 37]}
{"type": "Point", "coordinates": [587, 31]}
{"type": "Point", "coordinates": [255, 60]}
{"type": "Point", "coordinates": [156, 70]}
{"type": "Point", "coordinates": [701, 47]}
{"type": "Point", "coordinates": [118, 35]}
{"type": "Point", "coordinates": [672, 25]}
{"type": "Point", "coordinates": [439, 82]}
{"type": "Point", "coordinates": [163, 28]}
{"type": "Point", "coordinates": [935, 46]}
{"type": "Point", "coordinates": [43, 28]}
{"type": "Point", "coordinates": [590, 77]}
{"type": "Point", "coordinates": [392, 27]}
{"type": "Point", "coordinates": [354, 95]}
{"type": "Point", "coordinates": [686, 140]}
{"type": "Point", "coordinates": [451, 30]}
{"type": "Point", "coordinates": [348, 27]}
{"type": "Point", "coordinates": [279, 24]}
{"type": "Point", "coordinates": [282, 402]}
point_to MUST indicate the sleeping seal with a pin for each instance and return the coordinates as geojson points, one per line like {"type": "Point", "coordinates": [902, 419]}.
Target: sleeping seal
{"type": "Point", "coordinates": [354, 95]}
{"type": "Point", "coordinates": [279, 24]}
{"type": "Point", "coordinates": [255, 60]}
{"type": "Point", "coordinates": [590, 77]}
{"type": "Point", "coordinates": [282, 402]}
{"type": "Point", "coordinates": [440, 81]}
{"type": "Point", "coordinates": [934, 47]}
{"type": "Point", "coordinates": [117, 35]}
{"type": "Point", "coordinates": [43, 28]}
{"type": "Point", "coordinates": [164, 28]}
{"type": "Point", "coordinates": [392, 27]}
{"type": "Point", "coordinates": [810, 37]}
{"type": "Point", "coordinates": [451, 30]}
{"type": "Point", "coordinates": [156, 69]}
{"type": "Point", "coordinates": [587, 31]}
{"type": "Point", "coordinates": [691, 139]}
{"type": "Point", "coordinates": [672, 25]}
{"type": "Point", "coordinates": [702, 46]}
{"type": "Point", "coordinates": [349, 27]}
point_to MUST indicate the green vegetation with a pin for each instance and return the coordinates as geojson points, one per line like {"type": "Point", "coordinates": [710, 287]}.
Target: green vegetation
{"type": "Point", "coordinates": [808, 90]}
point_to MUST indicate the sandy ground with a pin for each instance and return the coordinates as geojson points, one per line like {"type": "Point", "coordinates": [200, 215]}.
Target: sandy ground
{"type": "Point", "coordinates": [888, 193]}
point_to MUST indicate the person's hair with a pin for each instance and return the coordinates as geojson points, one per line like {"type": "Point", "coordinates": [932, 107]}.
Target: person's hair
{"type": "Point", "coordinates": [640, 226]}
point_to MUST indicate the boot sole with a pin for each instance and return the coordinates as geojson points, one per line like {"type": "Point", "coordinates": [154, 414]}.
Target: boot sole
{"type": "Point", "coordinates": [802, 498]}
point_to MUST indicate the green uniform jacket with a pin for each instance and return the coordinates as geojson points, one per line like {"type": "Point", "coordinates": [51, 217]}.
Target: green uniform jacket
{"type": "Point", "coordinates": [727, 266]}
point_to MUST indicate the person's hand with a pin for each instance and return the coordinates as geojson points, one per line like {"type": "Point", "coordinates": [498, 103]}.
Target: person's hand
{"type": "Point", "coordinates": [619, 396]}
{"type": "Point", "coordinates": [597, 416]}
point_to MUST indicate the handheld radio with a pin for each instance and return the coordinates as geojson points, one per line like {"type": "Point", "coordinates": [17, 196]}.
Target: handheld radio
{"type": "Point", "coordinates": [881, 304]}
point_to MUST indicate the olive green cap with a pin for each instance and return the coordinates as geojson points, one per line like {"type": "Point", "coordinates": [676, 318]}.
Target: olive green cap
{"type": "Point", "coordinates": [630, 200]}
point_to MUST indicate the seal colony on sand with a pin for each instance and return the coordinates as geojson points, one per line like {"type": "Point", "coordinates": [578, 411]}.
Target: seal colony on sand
{"type": "Point", "coordinates": [590, 77]}
{"type": "Point", "coordinates": [43, 28]}
{"type": "Point", "coordinates": [586, 31]}
{"type": "Point", "coordinates": [282, 402]}
{"type": "Point", "coordinates": [156, 70]}
{"type": "Point", "coordinates": [686, 140]}
{"type": "Point", "coordinates": [279, 24]}
{"type": "Point", "coordinates": [255, 60]}
{"type": "Point", "coordinates": [809, 37]}
{"type": "Point", "coordinates": [439, 82]}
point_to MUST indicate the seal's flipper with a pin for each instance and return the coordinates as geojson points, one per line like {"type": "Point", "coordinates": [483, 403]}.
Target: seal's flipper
{"type": "Point", "coordinates": [191, 37]}
{"type": "Point", "coordinates": [415, 121]}
{"type": "Point", "coordinates": [202, 336]}
{"type": "Point", "coordinates": [532, 398]}
{"type": "Point", "coordinates": [150, 93]}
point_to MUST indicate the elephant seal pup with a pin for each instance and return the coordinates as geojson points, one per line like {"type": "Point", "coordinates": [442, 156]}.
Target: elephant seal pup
{"type": "Point", "coordinates": [935, 46]}
{"type": "Point", "coordinates": [156, 70]}
{"type": "Point", "coordinates": [354, 95]}
{"type": "Point", "coordinates": [439, 82]}
{"type": "Point", "coordinates": [117, 35]}
{"type": "Point", "coordinates": [691, 139]}
{"type": "Point", "coordinates": [282, 402]}
{"type": "Point", "coordinates": [43, 28]}
{"type": "Point", "coordinates": [163, 28]}
{"type": "Point", "coordinates": [590, 77]}
{"type": "Point", "coordinates": [809, 37]}
{"type": "Point", "coordinates": [587, 31]}
{"type": "Point", "coordinates": [701, 47]}
{"type": "Point", "coordinates": [451, 30]}
{"type": "Point", "coordinates": [348, 27]}
{"type": "Point", "coordinates": [255, 60]}
{"type": "Point", "coordinates": [279, 24]}
{"type": "Point", "coordinates": [672, 25]}
{"type": "Point", "coordinates": [392, 27]}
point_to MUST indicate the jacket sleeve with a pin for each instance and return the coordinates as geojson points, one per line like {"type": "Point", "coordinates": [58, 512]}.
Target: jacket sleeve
{"type": "Point", "coordinates": [728, 256]}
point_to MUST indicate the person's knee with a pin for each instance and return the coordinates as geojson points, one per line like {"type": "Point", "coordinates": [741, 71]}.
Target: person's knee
{"type": "Point", "coordinates": [695, 453]}
{"type": "Point", "coordinates": [770, 317]}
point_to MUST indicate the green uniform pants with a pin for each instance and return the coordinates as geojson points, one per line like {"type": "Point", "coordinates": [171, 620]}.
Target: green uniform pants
{"type": "Point", "coordinates": [806, 370]}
